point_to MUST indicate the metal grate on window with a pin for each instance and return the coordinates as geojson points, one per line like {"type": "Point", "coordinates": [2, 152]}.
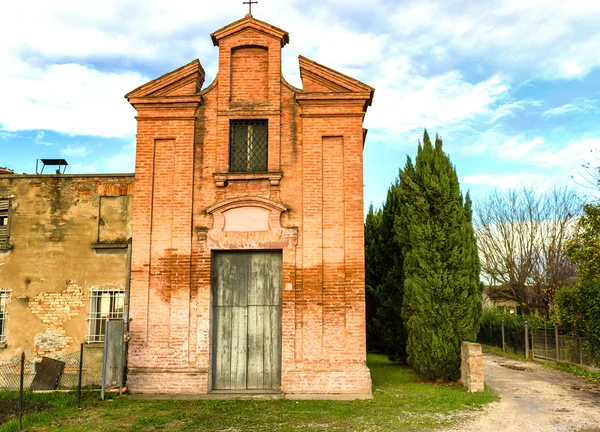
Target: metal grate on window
{"type": "Point", "coordinates": [3, 301]}
{"type": "Point", "coordinates": [104, 304]}
{"type": "Point", "coordinates": [248, 145]}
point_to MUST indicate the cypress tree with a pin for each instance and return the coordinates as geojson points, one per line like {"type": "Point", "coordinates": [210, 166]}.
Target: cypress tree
{"type": "Point", "coordinates": [373, 276]}
{"type": "Point", "coordinates": [390, 292]}
{"type": "Point", "coordinates": [442, 291]}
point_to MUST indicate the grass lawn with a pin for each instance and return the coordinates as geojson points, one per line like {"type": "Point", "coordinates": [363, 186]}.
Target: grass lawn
{"type": "Point", "coordinates": [401, 402]}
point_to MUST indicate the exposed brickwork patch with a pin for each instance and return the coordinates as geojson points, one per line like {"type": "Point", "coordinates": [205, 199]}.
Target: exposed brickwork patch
{"type": "Point", "coordinates": [53, 309]}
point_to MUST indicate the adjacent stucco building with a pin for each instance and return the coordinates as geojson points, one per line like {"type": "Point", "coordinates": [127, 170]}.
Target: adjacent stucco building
{"type": "Point", "coordinates": [63, 257]}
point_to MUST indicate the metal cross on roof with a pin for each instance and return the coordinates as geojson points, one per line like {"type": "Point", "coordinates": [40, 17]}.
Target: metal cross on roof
{"type": "Point", "coordinates": [250, 3]}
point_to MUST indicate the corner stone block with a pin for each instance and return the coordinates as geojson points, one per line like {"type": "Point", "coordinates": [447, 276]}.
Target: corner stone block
{"type": "Point", "coordinates": [471, 367]}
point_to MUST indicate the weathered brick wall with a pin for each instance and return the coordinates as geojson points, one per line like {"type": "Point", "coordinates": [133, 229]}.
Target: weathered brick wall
{"type": "Point", "coordinates": [471, 367]}
{"type": "Point", "coordinates": [53, 309]}
{"type": "Point", "coordinates": [55, 222]}
{"type": "Point", "coordinates": [313, 195]}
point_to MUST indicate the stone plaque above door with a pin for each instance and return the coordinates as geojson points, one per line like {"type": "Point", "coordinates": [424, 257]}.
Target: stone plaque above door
{"type": "Point", "coordinates": [246, 219]}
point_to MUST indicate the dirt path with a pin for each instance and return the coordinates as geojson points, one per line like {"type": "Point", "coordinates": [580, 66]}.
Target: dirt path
{"type": "Point", "coordinates": [535, 398]}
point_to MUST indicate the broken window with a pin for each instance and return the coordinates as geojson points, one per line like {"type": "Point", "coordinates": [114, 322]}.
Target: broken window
{"type": "Point", "coordinates": [248, 146]}
{"type": "Point", "coordinates": [105, 303]}
{"type": "Point", "coordinates": [3, 302]}
{"type": "Point", "coordinates": [4, 223]}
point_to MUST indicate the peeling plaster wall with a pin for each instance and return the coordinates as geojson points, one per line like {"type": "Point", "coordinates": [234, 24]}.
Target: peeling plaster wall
{"type": "Point", "coordinates": [58, 237]}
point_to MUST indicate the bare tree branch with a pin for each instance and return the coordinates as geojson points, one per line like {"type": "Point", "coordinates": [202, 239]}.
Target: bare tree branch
{"type": "Point", "coordinates": [521, 236]}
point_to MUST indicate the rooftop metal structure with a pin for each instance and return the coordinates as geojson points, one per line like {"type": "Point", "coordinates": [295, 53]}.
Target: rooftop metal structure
{"type": "Point", "coordinates": [53, 162]}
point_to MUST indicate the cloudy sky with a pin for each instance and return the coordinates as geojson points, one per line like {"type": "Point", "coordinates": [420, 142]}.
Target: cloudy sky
{"type": "Point", "coordinates": [512, 86]}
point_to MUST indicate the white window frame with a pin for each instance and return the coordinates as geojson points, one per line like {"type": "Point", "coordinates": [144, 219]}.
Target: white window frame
{"type": "Point", "coordinates": [4, 300]}
{"type": "Point", "coordinates": [105, 303]}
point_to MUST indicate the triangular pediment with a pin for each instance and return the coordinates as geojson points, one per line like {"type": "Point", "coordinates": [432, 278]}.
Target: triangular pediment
{"type": "Point", "coordinates": [249, 22]}
{"type": "Point", "coordinates": [184, 81]}
{"type": "Point", "coordinates": [319, 78]}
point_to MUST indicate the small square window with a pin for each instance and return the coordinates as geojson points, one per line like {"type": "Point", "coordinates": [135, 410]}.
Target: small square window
{"type": "Point", "coordinates": [104, 304]}
{"type": "Point", "coordinates": [248, 146]}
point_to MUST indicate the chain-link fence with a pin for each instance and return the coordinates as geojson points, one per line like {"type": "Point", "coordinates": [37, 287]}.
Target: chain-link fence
{"type": "Point", "coordinates": [22, 377]}
{"type": "Point", "coordinates": [91, 370]}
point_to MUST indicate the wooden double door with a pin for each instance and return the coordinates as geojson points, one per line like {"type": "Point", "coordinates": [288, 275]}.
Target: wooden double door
{"type": "Point", "coordinates": [247, 320]}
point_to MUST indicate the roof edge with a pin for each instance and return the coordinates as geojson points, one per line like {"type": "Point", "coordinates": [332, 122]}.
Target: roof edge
{"type": "Point", "coordinates": [250, 22]}
{"type": "Point", "coordinates": [167, 79]}
{"type": "Point", "coordinates": [333, 76]}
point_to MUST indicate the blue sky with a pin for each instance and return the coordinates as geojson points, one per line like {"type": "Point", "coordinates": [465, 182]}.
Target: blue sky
{"type": "Point", "coordinates": [513, 86]}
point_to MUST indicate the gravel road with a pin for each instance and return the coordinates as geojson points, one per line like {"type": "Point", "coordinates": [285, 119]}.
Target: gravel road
{"type": "Point", "coordinates": [535, 398]}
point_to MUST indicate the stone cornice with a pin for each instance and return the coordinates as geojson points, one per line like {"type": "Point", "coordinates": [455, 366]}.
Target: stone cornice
{"type": "Point", "coordinates": [247, 201]}
{"type": "Point", "coordinates": [221, 178]}
{"type": "Point", "coordinates": [166, 100]}
{"type": "Point", "coordinates": [333, 80]}
{"type": "Point", "coordinates": [190, 77]}
{"type": "Point", "coordinates": [341, 102]}
{"type": "Point", "coordinates": [332, 96]}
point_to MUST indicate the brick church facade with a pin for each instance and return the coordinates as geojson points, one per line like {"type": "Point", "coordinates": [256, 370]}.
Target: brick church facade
{"type": "Point", "coordinates": [248, 261]}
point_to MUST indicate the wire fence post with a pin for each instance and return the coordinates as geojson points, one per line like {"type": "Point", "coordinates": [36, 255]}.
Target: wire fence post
{"type": "Point", "coordinates": [580, 352]}
{"type": "Point", "coordinates": [21, 385]}
{"type": "Point", "coordinates": [526, 341]}
{"type": "Point", "coordinates": [503, 340]}
{"type": "Point", "coordinates": [80, 376]}
{"type": "Point", "coordinates": [557, 356]}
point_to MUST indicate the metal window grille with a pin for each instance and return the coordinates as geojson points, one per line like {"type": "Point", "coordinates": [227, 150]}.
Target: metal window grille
{"type": "Point", "coordinates": [248, 145]}
{"type": "Point", "coordinates": [3, 301]}
{"type": "Point", "coordinates": [4, 215]}
{"type": "Point", "coordinates": [104, 304]}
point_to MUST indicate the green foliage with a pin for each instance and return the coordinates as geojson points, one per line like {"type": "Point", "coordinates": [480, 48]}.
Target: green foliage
{"type": "Point", "coordinates": [578, 308]}
{"type": "Point", "coordinates": [373, 256]}
{"type": "Point", "coordinates": [567, 309]}
{"type": "Point", "coordinates": [373, 274]}
{"type": "Point", "coordinates": [493, 317]}
{"type": "Point", "coordinates": [490, 331]}
{"type": "Point", "coordinates": [385, 276]}
{"type": "Point", "coordinates": [442, 291]}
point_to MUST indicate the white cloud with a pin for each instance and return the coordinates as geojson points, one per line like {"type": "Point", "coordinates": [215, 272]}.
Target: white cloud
{"type": "Point", "coordinates": [509, 181]}
{"type": "Point", "coordinates": [509, 109]}
{"type": "Point", "coordinates": [74, 151]}
{"type": "Point", "coordinates": [535, 38]}
{"type": "Point", "coordinates": [82, 168]}
{"type": "Point", "coordinates": [123, 162]}
{"type": "Point", "coordinates": [413, 101]}
{"type": "Point", "coordinates": [578, 105]}
{"type": "Point", "coordinates": [541, 154]}
{"type": "Point", "coordinates": [515, 149]}
{"type": "Point", "coordinates": [572, 155]}
{"type": "Point", "coordinates": [564, 109]}
{"type": "Point", "coordinates": [67, 98]}
{"type": "Point", "coordinates": [39, 139]}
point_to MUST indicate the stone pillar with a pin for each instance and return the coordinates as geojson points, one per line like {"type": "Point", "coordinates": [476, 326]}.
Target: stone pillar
{"type": "Point", "coordinates": [471, 367]}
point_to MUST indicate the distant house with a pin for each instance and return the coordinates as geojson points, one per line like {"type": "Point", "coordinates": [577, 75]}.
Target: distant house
{"type": "Point", "coordinates": [247, 270]}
